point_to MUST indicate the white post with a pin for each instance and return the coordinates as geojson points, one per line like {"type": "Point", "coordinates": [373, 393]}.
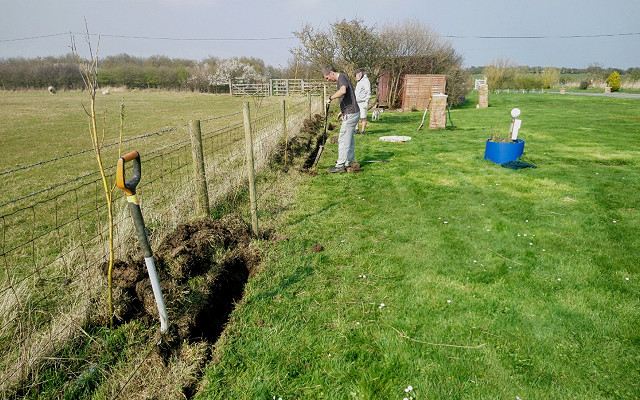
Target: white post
{"type": "Point", "coordinates": [515, 124]}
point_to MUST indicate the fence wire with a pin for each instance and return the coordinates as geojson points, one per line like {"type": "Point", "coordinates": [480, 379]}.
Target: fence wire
{"type": "Point", "coordinates": [54, 240]}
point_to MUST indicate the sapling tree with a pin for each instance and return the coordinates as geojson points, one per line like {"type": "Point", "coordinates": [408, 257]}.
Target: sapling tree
{"type": "Point", "coordinates": [89, 71]}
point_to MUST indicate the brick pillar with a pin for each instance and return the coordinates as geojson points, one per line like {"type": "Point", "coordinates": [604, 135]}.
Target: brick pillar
{"type": "Point", "coordinates": [438, 115]}
{"type": "Point", "coordinates": [483, 96]}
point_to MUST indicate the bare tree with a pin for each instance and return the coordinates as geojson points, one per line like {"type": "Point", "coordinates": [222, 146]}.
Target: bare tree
{"type": "Point", "coordinates": [346, 45]}
{"type": "Point", "coordinates": [317, 47]}
{"type": "Point", "coordinates": [394, 50]}
{"type": "Point", "coordinates": [411, 47]}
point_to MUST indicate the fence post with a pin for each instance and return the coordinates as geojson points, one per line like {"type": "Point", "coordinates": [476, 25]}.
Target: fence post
{"type": "Point", "coordinates": [284, 129]}
{"type": "Point", "coordinates": [251, 172]}
{"type": "Point", "coordinates": [309, 104]}
{"type": "Point", "coordinates": [324, 98]}
{"type": "Point", "coordinates": [198, 168]}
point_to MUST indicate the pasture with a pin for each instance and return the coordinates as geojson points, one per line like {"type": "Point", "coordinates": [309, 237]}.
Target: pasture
{"type": "Point", "coordinates": [38, 126]}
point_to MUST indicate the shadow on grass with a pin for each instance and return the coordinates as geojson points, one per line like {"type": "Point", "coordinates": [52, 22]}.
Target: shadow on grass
{"type": "Point", "coordinates": [285, 282]}
{"type": "Point", "coordinates": [378, 156]}
{"type": "Point", "coordinates": [320, 211]}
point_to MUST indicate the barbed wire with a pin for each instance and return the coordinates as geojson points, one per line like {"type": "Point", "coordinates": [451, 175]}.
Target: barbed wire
{"type": "Point", "coordinates": [143, 136]}
{"type": "Point", "coordinates": [51, 188]}
{"type": "Point", "coordinates": [221, 116]}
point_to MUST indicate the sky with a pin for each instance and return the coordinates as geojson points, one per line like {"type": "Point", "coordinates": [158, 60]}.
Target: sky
{"type": "Point", "coordinates": [559, 33]}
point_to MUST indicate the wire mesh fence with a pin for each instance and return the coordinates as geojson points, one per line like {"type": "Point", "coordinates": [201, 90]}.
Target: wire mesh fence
{"type": "Point", "coordinates": [54, 240]}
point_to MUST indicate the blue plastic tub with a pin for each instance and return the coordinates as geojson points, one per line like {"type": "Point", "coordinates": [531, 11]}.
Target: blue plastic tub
{"type": "Point", "coordinates": [501, 153]}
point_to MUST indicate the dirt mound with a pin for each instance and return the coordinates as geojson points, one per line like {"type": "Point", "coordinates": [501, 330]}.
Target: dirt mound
{"type": "Point", "coordinates": [202, 268]}
{"type": "Point", "coordinates": [306, 143]}
{"type": "Point", "coordinates": [354, 168]}
{"type": "Point", "coordinates": [124, 275]}
{"type": "Point", "coordinates": [191, 249]}
{"type": "Point", "coordinates": [300, 144]}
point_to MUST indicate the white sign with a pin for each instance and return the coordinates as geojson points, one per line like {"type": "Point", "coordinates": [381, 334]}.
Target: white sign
{"type": "Point", "coordinates": [516, 127]}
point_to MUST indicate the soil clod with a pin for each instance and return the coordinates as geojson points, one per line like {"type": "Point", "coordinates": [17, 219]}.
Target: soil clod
{"type": "Point", "coordinates": [354, 167]}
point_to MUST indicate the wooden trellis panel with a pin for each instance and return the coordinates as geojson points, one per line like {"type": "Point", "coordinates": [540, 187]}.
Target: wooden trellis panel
{"type": "Point", "coordinates": [418, 89]}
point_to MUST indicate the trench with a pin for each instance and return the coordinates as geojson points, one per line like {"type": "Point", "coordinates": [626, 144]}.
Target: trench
{"type": "Point", "coordinates": [203, 268]}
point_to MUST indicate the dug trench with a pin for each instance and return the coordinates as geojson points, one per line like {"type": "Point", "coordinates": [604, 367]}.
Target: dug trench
{"type": "Point", "coordinates": [303, 147]}
{"type": "Point", "coordinates": [314, 129]}
{"type": "Point", "coordinates": [203, 268]}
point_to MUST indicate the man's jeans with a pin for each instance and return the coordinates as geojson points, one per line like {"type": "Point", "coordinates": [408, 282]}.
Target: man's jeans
{"type": "Point", "coordinates": [346, 142]}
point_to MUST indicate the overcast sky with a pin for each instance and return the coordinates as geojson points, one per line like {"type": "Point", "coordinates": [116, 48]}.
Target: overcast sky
{"type": "Point", "coordinates": [561, 33]}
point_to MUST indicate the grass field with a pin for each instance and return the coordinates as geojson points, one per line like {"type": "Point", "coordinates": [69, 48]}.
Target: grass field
{"type": "Point", "coordinates": [37, 126]}
{"type": "Point", "coordinates": [450, 274]}
{"type": "Point", "coordinates": [440, 270]}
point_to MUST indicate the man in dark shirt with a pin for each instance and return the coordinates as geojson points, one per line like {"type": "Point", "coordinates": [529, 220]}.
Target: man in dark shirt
{"type": "Point", "coordinates": [349, 114]}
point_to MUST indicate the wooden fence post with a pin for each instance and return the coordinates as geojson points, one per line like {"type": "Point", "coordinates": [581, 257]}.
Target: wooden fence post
{"type": "Point", "coordinates": [198, 168]}
{"type": "Point", "coordinates": [324, 99]}
{"type": "Point", "coordinates": [284, 130]}
{"type": "Point", "coordinates": [251, 172]}
{"type": "Point", "coordinates": [309, 104]}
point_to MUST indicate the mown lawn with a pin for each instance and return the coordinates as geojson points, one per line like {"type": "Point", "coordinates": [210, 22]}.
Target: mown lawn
{"type": "Point", "coordinates": [450, 274]}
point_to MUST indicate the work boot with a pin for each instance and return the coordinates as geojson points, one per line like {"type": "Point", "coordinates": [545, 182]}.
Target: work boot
{"type": "Point", "coordinates": [337, 169]}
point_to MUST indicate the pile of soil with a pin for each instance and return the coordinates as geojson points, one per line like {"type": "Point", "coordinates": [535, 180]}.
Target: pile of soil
{"type": "Point", "coordinates": [354, 168]}
{"type": "Point", "coordinates": [300, 144]}
{"type": "Point", "coordinates": [202, 268]}
{"type": "Point", "coordinates": [305, 144]}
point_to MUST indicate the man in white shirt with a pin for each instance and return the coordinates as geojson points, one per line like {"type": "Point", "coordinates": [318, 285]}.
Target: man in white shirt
{"type": "Point", "coordinates": [363, 93]}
